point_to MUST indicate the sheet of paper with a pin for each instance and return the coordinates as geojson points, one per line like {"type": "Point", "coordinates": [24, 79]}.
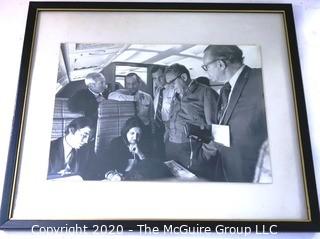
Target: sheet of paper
{"type": "Point", "coordinates": [221, 134]}
{"type": "Point", "coordinates": [179, 171]}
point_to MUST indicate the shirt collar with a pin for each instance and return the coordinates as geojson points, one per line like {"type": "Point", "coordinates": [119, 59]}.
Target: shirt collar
{"type": "Point", "coordinates": [235, 77]}
{"type": "Point", "coordinates": [191, 87]}
{"type": "Point", "coordinates": [94, 93]}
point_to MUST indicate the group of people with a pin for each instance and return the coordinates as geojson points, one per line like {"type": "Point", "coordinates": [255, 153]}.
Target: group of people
{"type": "Point", "coordinates": [159, 131]}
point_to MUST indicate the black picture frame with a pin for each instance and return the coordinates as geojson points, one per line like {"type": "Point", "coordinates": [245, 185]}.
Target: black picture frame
{"type": "Point", "coordinates": [6, 221]}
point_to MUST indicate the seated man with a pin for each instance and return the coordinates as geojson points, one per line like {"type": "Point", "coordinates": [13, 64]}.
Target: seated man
{"type": "Point", "coordinates": [87, 100]}
{"type": "Point", "coordinates": [73, 154]}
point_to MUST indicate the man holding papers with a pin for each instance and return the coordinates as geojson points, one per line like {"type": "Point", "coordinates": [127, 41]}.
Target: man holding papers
{"type": "Point", "coordinates": [240, 127]}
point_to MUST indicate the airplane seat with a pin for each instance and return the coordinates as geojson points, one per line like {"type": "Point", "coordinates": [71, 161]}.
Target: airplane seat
{"type": "Point", "coordinates": [62, 117]}
{"type": "Point", "coordinates": [112, 116]}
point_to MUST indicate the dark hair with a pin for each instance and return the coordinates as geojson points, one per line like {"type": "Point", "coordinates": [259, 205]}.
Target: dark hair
{"type": "Point", "coordinates": [135, 75]}
{"type": "Point", "coordinates": [228, 53]}
{"type": "Point", "coordinates": [156, 68]}
{"type": "Point", "coordinates": [178, 69]}
{"type": "Point", "coordinates": [80, 123]}
{"type": "Point", "coordinates": [129, 124]}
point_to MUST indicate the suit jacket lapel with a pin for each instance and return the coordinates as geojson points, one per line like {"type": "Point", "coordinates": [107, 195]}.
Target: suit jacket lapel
{"type": "Point", "coordinates": [238, 88]}
{"type": "Point", "coordinates": [60, 155]}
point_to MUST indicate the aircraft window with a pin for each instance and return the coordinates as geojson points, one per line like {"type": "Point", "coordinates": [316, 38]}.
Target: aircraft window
{"type": "Point", "coordinates": [120, 80]}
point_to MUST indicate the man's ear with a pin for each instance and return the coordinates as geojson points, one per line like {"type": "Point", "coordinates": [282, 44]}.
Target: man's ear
{"type": "Point", "coordinates": [221, 64]}
{"type": "Point", "coordinates": [90, 85]}
{"type": "Point", "coordinates": [184, 77]}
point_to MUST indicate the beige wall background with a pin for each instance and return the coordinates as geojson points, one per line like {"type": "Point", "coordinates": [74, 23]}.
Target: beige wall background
{"type": "Point", "coordinates": [13, 15]}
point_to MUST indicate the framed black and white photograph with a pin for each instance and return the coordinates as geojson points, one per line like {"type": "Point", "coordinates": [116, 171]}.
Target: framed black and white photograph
{"type": "Point", "coordinates": [160, 114]}
{"type": "Point", "coordinates": [162, 95]}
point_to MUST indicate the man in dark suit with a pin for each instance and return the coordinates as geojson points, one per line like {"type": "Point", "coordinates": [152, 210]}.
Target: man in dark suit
{"type": "Point", "coordinates": [241, 107]}
{"type": "Point", "coordinates": [73, 154]}
{"type": "Point", "coordinates": [87, 100]}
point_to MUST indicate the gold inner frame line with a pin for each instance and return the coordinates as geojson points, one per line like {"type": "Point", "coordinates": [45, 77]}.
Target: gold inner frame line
{"type": "Point", "coordinates": [23, 117]}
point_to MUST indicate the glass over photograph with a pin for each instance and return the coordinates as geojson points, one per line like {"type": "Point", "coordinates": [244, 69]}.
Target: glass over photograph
{"type": "Point", "coordinates": [132, 112]}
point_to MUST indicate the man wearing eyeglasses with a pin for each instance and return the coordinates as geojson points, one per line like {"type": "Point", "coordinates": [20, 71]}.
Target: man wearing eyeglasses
{"type": "Point", "coordinates": [241, 110]}
{"type": "Point", "coordinates": [193, 104]}
{"type": "Point", "coordinates": [73, 153]}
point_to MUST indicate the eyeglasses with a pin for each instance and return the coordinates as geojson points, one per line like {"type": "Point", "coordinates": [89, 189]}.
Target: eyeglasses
{"type": "Point", "coordinates": [87, 136]}
{"type": "Point", "coordinates": [175, 79]}
{"type": "Point", "coordinates": [205, 67]}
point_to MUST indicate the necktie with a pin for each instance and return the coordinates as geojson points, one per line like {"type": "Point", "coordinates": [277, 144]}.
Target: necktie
{"type": "Point", "coordinates": [70, 165]}
{"type": "Point", "coordinates": [159, 108]}
{"type": "Point", "coordinates": [99, 97]}
{"type": "Point", "coordinates": [223, 100]}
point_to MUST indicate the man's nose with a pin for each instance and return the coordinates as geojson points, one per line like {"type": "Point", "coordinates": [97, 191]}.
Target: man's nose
{"type": "Point", "coordinates": [135, 136]}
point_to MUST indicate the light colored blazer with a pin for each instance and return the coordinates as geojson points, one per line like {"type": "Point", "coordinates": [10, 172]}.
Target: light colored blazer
{"type": "Point", "coordinates": [145, 110]}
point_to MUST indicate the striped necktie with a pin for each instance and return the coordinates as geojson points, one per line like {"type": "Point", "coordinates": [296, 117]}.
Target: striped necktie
{"type": "Point", "coordinates": [159, 107]}
{"type": "Point", "coordinates": [71, 164]}
{"type": "Point", "coordinates": [223, 100]}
